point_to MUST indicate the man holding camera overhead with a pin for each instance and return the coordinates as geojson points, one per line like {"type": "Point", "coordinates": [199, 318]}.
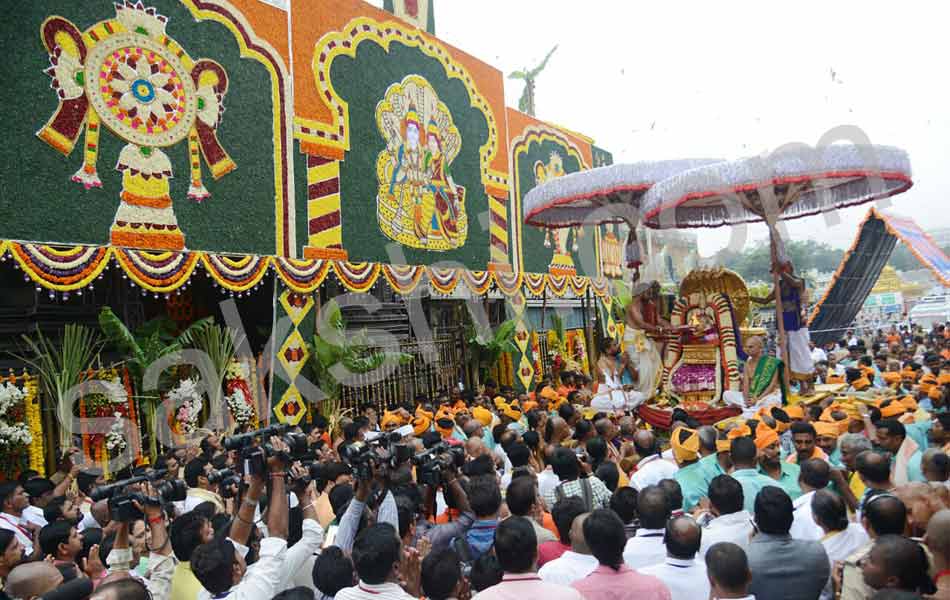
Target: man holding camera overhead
{"type": "Point", "coordinates": [220, 565]}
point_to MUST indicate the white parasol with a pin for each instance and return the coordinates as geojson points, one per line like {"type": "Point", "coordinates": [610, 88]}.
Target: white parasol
{"type": "Point", "coordinates": [794, 181]}
{"type": "Point", "coordinates": [598, 196]}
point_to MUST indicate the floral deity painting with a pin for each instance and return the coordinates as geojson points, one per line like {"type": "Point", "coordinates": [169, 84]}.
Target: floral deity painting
{"type": "Point", "coordinates": [418, 203]}
{"type": "Point", "coordinates": [561, 263]}
{"type": "Point", "coordinates": [128, 76]}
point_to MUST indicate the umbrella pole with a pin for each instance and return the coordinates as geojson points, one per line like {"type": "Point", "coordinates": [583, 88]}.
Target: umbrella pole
{"type": "Point", "coordinates": [779, 321]}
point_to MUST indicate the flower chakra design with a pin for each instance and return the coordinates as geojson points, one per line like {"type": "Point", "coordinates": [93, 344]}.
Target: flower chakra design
{"type": "Point", "coordinates": [142, 91]}
{"type": "Point", "coordinates": [127, 76]}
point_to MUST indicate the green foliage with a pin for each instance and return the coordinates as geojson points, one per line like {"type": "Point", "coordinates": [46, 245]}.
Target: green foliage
{"type": "Point", "coordinates": [754, 262]}
{"type": "Point", "coordinates": [903, 260]}
{"type": "Point", "coordinates": [60, 363]}
{"type": "Point", "coordinates": [486, 350]}
{"type": "Point", "coordinates": [152, 341]}
{"type": "Point", "coordinates": [526, 102]}
{"type": "Point", "coordinates": [336, 356]}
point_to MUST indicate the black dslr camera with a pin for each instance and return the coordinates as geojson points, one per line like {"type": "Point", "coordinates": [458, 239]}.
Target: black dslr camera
{"type": "Point", "coordinates": [121, 505]}
{"type": "Point", "coordinates": [384, 449]}
{"type": "Point", "coordinates": [255, 451]}
{"type": "Point", "coordinates": [429, 464]}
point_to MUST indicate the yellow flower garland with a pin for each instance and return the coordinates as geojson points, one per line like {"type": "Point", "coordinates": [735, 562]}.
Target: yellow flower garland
{"type": "Point", "coordinates": [31, 412]}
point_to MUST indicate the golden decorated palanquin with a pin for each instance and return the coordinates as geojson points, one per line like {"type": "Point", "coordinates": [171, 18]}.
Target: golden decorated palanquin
{"type": "Point", "coordinates": [703, 362]}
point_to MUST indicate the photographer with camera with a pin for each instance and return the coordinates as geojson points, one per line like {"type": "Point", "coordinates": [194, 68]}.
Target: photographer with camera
{"type": "Point", "coordinates": [202, 482]}
{"type": "Point", "coordinates": [221, 566]}
{"type": "Point", "coordinates": [160, 561]}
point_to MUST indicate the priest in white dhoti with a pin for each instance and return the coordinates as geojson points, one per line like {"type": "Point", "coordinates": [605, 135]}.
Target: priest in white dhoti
{"type": "Point", "coordinates": [643, 337]}
{"type": "Point", "coordinates": [762, 383]}
{"type": "Point", "coordinates": [614, 372]}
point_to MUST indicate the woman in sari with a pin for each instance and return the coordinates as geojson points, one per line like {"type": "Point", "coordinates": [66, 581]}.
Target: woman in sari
{"type": "Point", "coordinates": [762, 383]}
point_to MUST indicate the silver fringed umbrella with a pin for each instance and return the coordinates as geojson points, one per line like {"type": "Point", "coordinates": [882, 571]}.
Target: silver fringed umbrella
{"type": "Point", "coordinates": [794, 181]}
{"type": "Point", "coordinates": [601, 196]}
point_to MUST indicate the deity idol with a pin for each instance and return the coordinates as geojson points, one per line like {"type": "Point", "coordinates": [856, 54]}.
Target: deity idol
{"type": "Point", "coordinates": [409, 176]}
{"type": "Point", "coordinates": [447, 195]}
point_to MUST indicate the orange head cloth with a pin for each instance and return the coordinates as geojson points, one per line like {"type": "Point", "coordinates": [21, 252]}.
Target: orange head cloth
{"type": "Point", "coordinates": [738, 432]}
{"type": "Point", "coordinates": [891, 409]}
{"type": "Point", "coordinates": [445, 427]}
{"type": "Point", "coordinates": [390, 421]}
{"type": "Point", "coordinates": [499, 402]}
{"type": "Point", "coordinates": [891, 378]}
{"type": "Point", "coordinates": [944, 379]}
{"type": "Point", "coordinates": [823, 428]}
{"type": "Point", "coordinates": [861, 383]}
{"type": "Point", "coordinates": [935, 394]}
{"type": "Point", "coordinates": [512, 413]}
{"type": "Point", "coordinates": [424, 413]}
{"type": "Point", "coordinates": [795, 412]}
{"type": "Point", "coordinates": [529, 405]}
{"type": "Point", "coordinates": [420, 425]}
{"type": "Point", "coordinates": [685, 444]}
{"type": "Point", "coordinates": [909, 403]}
{"type": "Point", "coordinates": [929, 378]}
{"type": "Point", "coordinates": [867, 372]}
{"type": "Point", "coordinates": [926, 387]}
{"type": "Point", "coordinates": [765, 436]}
{"type": "Point", "coordinates": [723, 445]}
{"type": "Point", "coordinates": [483, 415]}
{"type": "Point", "coordinates": [835, 379]}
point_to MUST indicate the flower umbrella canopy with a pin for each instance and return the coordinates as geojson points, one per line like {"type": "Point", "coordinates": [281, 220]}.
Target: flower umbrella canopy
{"type": "Point", "coordinates": [792, 182]}
{"type": "Point", "coordinates": [603, 195]}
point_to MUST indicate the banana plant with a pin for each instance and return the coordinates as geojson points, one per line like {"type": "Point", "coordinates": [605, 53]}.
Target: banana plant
{"type": "Point", "coordinates": [60, 364]}
{"type": "Point", "coordinates": [155, 339]}
{"type": "Point", "coordinates": [337, 359]}
{"type": "Point", "coordinates": [487, 349]}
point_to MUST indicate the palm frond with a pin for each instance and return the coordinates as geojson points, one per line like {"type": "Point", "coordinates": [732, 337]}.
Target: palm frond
{"type": "Point", "coordinates": [537, 70]}
{"type": "Point", "coordinates": [60, 364]}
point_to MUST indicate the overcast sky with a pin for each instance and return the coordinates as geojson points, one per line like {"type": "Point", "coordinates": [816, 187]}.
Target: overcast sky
{"type": "Point", "coordinates": [668, 79]}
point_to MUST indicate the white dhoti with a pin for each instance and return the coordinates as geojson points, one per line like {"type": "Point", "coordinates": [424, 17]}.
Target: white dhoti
{"type": "Point", "coordinates": [645, 354]}
{"type": "Point", "coordinates": [799, 354]}
{"type": "Point", "coordinates": [736, 399]}
{"type": "Point", "coordinates": [609, 400]}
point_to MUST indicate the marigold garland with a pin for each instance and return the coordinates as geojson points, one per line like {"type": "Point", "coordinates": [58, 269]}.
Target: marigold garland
{"type": "Point", "coordinates": [67, 269]}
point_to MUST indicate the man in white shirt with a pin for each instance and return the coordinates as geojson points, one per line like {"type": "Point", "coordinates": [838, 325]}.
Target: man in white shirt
{"type": "Point", "coordinates": [576, 563]}
{"type": "Point", "coordinates": [376, 557]}
{"type": "Point", "coordinates": [652, 468]}
{"type": "Point", "coordinates": [814, 476]}
{"type": "Point", "coordinates": [817, 353]}
{"type": "Point", "coordinates": [13, 500]}
{"type": "Point", "coordinates": [730, 523]}
{"type": "Point", "coordinates": [220, 565]}
{"type": "Point", "coordinates": [728, 570]}
{"type": "Point", "coordinates": [681, 572]}
{"type": "Point", "coordinates": [646, 547]}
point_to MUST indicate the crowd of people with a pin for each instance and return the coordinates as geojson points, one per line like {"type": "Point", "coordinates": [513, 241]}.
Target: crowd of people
{"type": "Point", "coordinates": [509, 496]}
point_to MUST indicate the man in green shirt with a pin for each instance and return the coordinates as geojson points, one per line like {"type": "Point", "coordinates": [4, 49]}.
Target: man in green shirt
{"type": "Point", "coordinates": [743, 453]}
{"type": "Point", "coordinates": [782, 474]}
{"type": "Point", "coordinates": [690, 476]}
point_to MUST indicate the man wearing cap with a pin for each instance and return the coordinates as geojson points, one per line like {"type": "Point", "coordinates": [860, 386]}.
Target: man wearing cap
{"type": "Point", "coordinates": [690, 476]}
{"type": "Point", "coordinates": [826, 440]}
{"type": "Point", "coordinates": [782, 473]}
